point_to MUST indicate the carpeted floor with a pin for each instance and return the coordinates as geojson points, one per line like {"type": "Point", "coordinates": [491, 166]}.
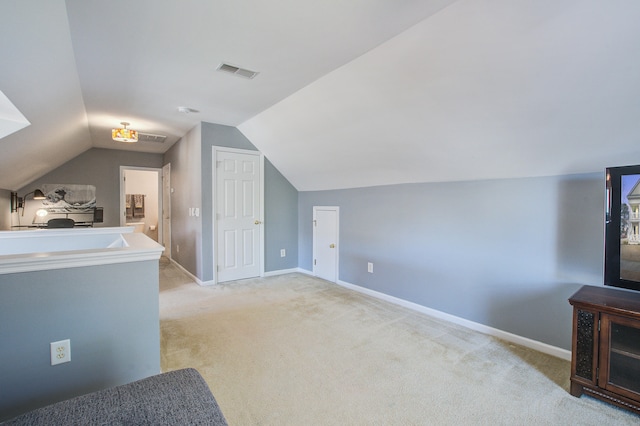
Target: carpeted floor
{"type": "Point", "coordinates": [295, 350]}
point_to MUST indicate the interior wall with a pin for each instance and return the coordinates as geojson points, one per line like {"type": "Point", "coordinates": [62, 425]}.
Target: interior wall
{"type": "Point", "coordinates": [281, 220]}
{"type": "Point", "coordinates": [109, 313]}
{"type": "Point", "coordinates": [186, 230]}
{"type": "Point", "coordinates": [99, 167]}
{"type": "Point", "coordinates": [192, 180]}
{"type": "Point", "coordinates": [503, 253]}
{"type": "Point", "coordinates": [145, 182]}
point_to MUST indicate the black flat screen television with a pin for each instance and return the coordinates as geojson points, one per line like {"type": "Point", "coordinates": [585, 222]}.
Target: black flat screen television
{"type": "Point", "coordinates": [622, 227]}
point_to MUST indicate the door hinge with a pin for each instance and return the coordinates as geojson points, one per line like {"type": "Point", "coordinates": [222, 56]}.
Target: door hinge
{"type": "Point", "coordinates": [315, 222]}
{"type": "Point", "coordinates": [314, 262]}
{"type": "Point", "coordinates": [597, 375]}
{"type": "Point", "coordinates": [598, 325]}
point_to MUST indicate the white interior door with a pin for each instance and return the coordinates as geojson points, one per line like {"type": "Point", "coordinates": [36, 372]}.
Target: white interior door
{"type": "Point", "coordinates": [238, 215]}
{"type": "Point", "coordinates": [166, 209]}
{"type": "Point", "coordinates": [325, 242]}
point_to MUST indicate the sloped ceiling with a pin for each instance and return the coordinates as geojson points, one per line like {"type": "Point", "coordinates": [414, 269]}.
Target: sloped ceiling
{"type": "Point", "coordinates": [38, 75]}
{"type": "Point", "coordinates": [357, 93]}
{"type": "Point", "coordinates": [482, 89]}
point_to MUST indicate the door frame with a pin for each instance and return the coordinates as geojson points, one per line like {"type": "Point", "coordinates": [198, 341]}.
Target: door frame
{"type": "Point", "coordinates": [337, 210]}
{"type": "Point", "coordinates": [166, 205]}
{"type": "Point", "coordinates": [214, 204]}
{"type": "Point", "coordinates": [122, 211]}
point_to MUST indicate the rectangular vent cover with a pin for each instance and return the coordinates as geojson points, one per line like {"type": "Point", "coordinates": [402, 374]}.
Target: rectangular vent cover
{"type": "Point", "coordinates": [237, 71]}
{"type": "Point", "coordinates": [147, 137]}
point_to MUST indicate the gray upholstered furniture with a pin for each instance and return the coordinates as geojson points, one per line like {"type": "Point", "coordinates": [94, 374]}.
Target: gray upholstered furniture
{"type": "Point", "coordinates": [61, 222]}
{"type": "Point", "coordinates": [179, 397]}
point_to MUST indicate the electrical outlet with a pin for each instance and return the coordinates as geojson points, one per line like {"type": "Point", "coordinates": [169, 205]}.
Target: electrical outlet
{"type": "Point", "coordinates": [60, 351]}
{"type": "Point", "coordinates": [178, 248]}
{"type": "Point", "coordinates": [283, 253]}
{"type": "Point", "coordinates": [370, 267]}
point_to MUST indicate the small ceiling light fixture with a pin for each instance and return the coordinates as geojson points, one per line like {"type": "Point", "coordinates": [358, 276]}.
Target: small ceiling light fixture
{"type": "Point", "coordinates": [124, 134]}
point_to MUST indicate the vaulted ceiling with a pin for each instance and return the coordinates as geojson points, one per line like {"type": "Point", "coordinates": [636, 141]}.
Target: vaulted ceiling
{"type": "Point", "coordinates": [348, 94]}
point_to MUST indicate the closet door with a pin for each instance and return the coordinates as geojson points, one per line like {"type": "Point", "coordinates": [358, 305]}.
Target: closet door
{"type": "Point", "coordinates": [238, 215]}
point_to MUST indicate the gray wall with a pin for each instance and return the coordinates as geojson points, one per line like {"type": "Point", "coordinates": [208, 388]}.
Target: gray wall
{"type": "Point", "coordinates": [192, 180]}
{"type": "Point", "coordinates": [110, 313]}
{"type": "Point", "coordinates": [186, 231]}
{"type": "Point", "coordinates": [504, 253]}
{"type": "Point", "coordinates": [281, 202]}
{"type": "Point", "coordinates": [281, 220]}
{"type": "Point", "coordinates": [98, 167]}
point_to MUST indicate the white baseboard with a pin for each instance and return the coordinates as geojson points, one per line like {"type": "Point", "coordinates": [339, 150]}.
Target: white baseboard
{"type": "Point", "coordinates": [212, 282]}
{"type": "Point", "coordinates": [281, 272]}
{"type": "Point", "coordinates": [500, 334]}
{"type": "Point", "coordinates": [193, 277]}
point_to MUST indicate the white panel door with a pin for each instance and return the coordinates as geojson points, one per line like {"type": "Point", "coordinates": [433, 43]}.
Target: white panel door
{"type": "Point", "coordinates": [238, 215]}
{"type": "Point", "coordinates": [325, 242]}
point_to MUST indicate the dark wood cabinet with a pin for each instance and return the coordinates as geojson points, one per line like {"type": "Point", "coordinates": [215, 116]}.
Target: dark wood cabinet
{"type": "Point", "coordinates": [605, 361]}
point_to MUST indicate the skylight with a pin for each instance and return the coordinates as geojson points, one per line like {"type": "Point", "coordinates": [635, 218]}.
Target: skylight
{"type": "Point", "coordinates": [11, 119]}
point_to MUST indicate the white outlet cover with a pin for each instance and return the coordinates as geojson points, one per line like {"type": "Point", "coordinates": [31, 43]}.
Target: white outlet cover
{"type": "Point", "coordinates": [60, 352]}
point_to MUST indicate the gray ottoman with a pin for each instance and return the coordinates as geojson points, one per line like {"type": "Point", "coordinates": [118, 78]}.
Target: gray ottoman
{"type": "Point", "coordinates": [179, 397]}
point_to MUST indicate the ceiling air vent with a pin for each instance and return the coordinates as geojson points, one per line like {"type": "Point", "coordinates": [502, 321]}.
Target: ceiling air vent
{"type": "Point", "coordinates": [147, 137]}
{"type": "Point", "coordinates": [237, 71]}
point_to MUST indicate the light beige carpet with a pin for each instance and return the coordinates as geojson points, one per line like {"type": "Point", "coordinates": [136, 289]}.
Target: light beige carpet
{"type": "Point", "coordinates": [295, 350]}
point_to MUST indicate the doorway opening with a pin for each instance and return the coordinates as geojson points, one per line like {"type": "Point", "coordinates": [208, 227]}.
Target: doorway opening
{"type": "Point", "coordinates": [141, 201]}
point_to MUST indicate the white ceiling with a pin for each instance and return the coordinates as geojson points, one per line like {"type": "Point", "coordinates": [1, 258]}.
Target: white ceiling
{"type": "Point", "coordinates": [349, 93]}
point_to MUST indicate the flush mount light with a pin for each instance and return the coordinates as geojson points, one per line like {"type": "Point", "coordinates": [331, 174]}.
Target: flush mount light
{"type": "Point", "coordinates": [124, 134]}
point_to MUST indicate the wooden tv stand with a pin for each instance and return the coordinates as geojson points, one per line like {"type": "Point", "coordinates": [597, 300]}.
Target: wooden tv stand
{"type": "Point", "coordinates": [605, 360]}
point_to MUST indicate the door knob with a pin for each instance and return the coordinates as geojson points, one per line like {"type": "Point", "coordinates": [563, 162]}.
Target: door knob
{"type": "Point", "coordinates": [257, 222]}
{"type": "Point", "coordinates": [332, 246]}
